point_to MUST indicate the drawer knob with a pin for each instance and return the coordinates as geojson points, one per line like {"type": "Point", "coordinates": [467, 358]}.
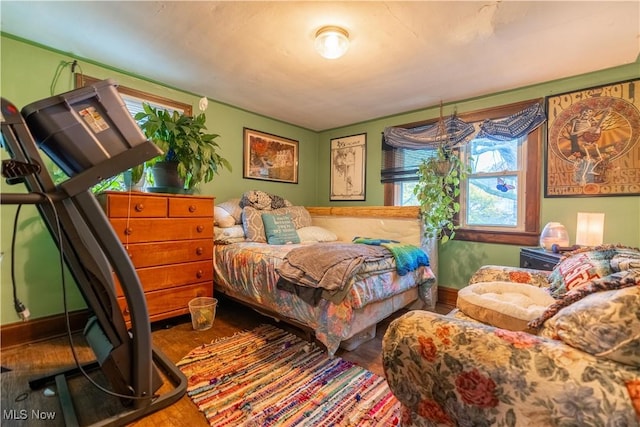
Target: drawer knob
{"type": "Point", "coordinates": [199, 251]}
{"type": "Point", "coordinates": [125, 311]}
{"type": "Point", "coordinates": [139, 207]}
{"type": "Point", "coordinates": [192, 208]}
{"type": "Point", "coordinates": [200, 228]}
{"type": "Point", "coordinates": [199, 274]}
{"type": "Point", "coordinates": [128, 231]}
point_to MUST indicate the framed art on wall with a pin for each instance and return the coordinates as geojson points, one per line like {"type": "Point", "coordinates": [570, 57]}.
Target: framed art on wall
{"type": "Point", "coordinates": [269, 157]}
{"type": "Point", "coordinates": [348, 167]}
{"type": "Point", "coordinates": [593, 142]}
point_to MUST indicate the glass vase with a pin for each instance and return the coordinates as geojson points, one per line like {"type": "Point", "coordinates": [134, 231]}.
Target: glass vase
{"type": "Point", "coordinates": [554, 233]}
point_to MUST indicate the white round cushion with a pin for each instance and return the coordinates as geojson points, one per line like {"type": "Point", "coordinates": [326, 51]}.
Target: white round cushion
{"type": "Point", "coordinates": [506, 305]}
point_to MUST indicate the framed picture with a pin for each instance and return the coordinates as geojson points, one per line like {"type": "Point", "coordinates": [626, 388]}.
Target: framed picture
{"type": "Point", "coordinates": [593, 142]}
{"type": "Point", "coordinates": [348, 167]}
{"type": "Point", "coordinates": [270, 157]}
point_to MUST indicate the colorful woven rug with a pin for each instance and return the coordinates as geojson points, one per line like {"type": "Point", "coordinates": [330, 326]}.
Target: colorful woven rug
{"type": "Point", "coordinates": [269, 377]}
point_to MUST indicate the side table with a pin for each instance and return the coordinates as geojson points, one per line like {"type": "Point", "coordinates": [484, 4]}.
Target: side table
{"type": "Point", "coordinates": [538, 258]}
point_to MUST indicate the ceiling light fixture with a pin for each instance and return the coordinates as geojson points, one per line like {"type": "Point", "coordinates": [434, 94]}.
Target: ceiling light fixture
{"type": "Point", "coordinates": [332, 42]}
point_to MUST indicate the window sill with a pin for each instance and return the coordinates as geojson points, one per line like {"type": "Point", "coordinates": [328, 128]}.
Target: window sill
{"type": "Point", "coordinates": [524, 238]}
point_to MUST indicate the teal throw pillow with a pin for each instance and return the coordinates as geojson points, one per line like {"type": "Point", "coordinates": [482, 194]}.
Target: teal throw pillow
{"type": "Point", "coordinates": [279, 229]}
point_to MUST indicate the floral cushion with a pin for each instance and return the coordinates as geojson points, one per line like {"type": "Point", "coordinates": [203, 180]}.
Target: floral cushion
{"type": "Point", "coordinates": [614, 333]}
{"type": "Point", "coordinates": [450, 372]}
{"type": "Point", "coordinates": [501, 273]}
{"type": "Point", "coordinates": [601, 318]}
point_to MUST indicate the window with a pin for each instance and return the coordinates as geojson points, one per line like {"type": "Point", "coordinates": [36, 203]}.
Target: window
{"type": "Point", "coordinates": [501, 197]}
{"type": "Point", "coordinates": [133, 100]}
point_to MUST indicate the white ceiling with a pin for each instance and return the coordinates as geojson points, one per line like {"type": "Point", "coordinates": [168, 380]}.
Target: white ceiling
{"type": "Point", "coordinates": [403, 56]}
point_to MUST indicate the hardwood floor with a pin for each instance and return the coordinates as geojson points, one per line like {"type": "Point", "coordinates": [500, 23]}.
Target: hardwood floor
{"type": "Point", "coordinates": [24, 407]}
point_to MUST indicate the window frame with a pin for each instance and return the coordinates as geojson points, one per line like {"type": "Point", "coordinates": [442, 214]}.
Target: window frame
{"type": "Point", "coordinates": [533, 167]}
{"type": "Point", "coordinates": [82, 80]}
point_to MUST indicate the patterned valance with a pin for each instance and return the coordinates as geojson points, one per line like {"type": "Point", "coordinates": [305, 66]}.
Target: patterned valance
{"type": "Point", "coordinates": [452, 131]}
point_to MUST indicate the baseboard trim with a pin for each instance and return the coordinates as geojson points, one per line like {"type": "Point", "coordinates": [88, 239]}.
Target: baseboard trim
{"type": "Point", "coordinates": [43, 328]}
{"type": "Point", "coordinates": [447, 296]}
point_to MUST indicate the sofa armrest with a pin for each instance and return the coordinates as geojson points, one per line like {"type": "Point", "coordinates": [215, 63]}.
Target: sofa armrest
{"type": "Point", "coordinates": [448, 371]}
{"type": "Point", "coordinates": [501, 273]}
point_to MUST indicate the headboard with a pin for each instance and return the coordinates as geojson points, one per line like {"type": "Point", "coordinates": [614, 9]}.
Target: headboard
{"type": "Point", "coordinates": [387, 222]}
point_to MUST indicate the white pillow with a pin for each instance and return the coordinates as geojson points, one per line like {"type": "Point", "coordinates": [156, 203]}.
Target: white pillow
{"type": "Point", "coordinates": [233, 207]}
{"type": "Point", "coordinates": [222, 218]}
{"type": "Point", "coordinates": [232, 232]}
{"type": "Point", "coordinates": [314, 233]}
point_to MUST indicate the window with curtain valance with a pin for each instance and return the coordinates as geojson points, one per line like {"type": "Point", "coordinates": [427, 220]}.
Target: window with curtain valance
{"type": "Point", "coordinates": [500, 198]}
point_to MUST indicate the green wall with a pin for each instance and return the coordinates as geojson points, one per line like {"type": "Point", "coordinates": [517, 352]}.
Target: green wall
{"type": "Point", "coordinates": [459, 259]}
{"type": "Point", "coordinates": [26, 74]}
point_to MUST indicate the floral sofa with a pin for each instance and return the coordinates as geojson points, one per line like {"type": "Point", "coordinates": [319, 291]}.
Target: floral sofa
{"type": "Point", "coordinates": [578, 364]}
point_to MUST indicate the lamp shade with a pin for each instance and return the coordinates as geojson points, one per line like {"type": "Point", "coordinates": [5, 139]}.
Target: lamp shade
{"type": "Point", "coordinates": [590, 229]}
{"type": "Point", "coordinates": [332, 42]}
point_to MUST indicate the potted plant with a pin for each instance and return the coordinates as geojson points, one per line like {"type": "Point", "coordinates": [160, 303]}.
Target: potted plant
{"type": "Point", "coordinates": [437, 192]}
{"type": "Point", "coordinates": [190, 153]}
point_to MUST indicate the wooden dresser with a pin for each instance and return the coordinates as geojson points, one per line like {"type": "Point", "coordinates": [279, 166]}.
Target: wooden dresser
{"type": "Point", "coordinates": [170, 241]}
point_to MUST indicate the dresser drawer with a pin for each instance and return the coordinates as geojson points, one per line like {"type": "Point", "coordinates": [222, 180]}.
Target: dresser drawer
{"type": "Point", "coordinates": [169, 302]}
{"type": "Point", "coordinates": [136, 206]}
{"type": "Point", "coordinates": [171, 276]}
{"type": "Point", "coordinates": [178, 251]}
{"type": "Point", "coordinates": [139, 230]}
{"type": "Point", "coordinates": [182, 207]}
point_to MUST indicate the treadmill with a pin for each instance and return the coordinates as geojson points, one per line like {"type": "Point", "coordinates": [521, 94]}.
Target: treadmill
{"type": "Point", "coordinates": [90, 135]}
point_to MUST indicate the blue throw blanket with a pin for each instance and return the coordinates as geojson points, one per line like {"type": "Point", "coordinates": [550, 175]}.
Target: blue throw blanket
{"type": "Point", "coordinates": [408, 257]}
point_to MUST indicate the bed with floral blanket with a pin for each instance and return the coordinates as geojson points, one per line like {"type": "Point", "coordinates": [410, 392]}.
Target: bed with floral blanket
{"type": "Point", "coordinates": [247, 271]}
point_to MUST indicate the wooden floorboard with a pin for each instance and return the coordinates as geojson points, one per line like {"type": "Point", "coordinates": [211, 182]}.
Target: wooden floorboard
{"type": "Point", "coordinates": [22, 406]}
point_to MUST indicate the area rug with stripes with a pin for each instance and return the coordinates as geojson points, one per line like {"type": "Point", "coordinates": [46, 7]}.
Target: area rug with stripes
{"type": "Point", "coordinates": [269, 377]}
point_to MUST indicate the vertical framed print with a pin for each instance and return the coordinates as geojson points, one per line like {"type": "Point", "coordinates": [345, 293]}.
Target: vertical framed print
{"type": "Point", "coordinates": [348, 167]}
{"type": "Point", "coordinates": [593, 142]}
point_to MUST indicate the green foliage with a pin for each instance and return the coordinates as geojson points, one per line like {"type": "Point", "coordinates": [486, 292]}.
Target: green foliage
{"type": "Point", "coordinates": [183, 139]}
{"type": "Point", "coordinates": [437, 191]}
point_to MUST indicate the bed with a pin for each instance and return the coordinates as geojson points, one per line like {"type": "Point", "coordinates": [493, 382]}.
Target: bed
{"type": "Point", "coordinates": [249, 271]}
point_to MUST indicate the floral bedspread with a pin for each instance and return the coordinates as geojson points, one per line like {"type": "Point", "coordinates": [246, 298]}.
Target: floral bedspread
{"type": "Point", "coordinates": [248, 270]}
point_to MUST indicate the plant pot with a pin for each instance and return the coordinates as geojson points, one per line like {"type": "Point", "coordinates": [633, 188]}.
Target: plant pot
{"type": "Point", "coordinates": [133, 186]}
{"type": "Point", "coordinates": [165, 175]}
{"type": "Point", "coordinates": [443, 167]}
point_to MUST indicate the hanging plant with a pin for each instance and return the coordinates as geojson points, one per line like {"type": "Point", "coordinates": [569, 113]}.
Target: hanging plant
{"type": "Point", "coordinates": [438, 191]}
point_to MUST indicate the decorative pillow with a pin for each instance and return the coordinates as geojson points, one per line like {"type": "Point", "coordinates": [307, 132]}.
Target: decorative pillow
{"type": "Point", "coordinates": [505, 305]}
{"type": "Point", "coordinates": [262, 200]}
{"type": "Point", "coordinates": [233, 207]}
{"type": "Point", "coordinates": [279, 229]}
{"type": "Point", "coordinates": [625, 261]}
{"type": "Point", "coordinates": [606, 323]}
{"type": "Point", "coordinates": [578, 268]}
{"type": "Point", "coordinates": [314, 233]}
{"type": "Point", "coordinates": [254, 227]}
{"type": "Point", "coordinates": [617, 280]}
{"type": "Point", "coordinates": [222, 218]}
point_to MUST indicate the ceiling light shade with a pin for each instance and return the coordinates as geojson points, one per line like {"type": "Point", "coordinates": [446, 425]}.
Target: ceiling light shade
{"type": "Point", "coordinates": [332, 42]}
